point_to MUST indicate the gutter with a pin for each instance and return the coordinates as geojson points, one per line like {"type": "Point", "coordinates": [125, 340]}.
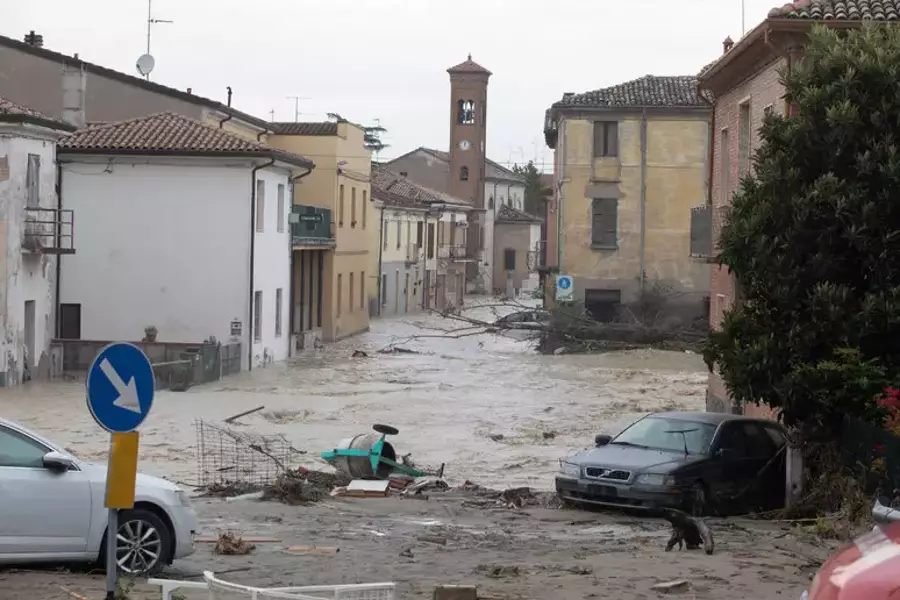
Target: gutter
{"type": "Point", "coordinates": [380, 256]}
{"type": "Point", "coordinates": [58, 324]}
{"type": "Point", "coordinates": [291, 298]}
{"type": "Point", "coordinates": [643, 195]}
{"type": "Point", "coordinates": [252, 256]}
{"type": "Point", "coordinates": [230, 114]}
{"type": "Point", "coordinates": [710, 151]}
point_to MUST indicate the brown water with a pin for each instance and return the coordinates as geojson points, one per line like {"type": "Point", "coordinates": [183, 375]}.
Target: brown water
{"type": "Point", "coordinates": [447, 402]}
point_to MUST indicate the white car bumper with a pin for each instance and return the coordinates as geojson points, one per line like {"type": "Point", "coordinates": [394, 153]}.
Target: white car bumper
{"type": "Point", "coordinates": [186, 526]}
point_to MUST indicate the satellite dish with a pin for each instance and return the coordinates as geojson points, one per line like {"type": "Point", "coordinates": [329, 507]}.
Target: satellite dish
{"type": "Point", "coordinates": [145, 64]}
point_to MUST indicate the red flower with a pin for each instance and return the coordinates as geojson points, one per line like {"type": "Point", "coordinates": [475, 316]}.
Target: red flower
{"type": "Point", "coordinates": [892, 392]}
{"type": "Point", "coordinates": [889, 402]}
{"type": "Point", "coordinates": [880, 448]}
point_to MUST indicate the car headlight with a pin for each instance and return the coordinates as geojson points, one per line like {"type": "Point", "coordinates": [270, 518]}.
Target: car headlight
{"type": "Point", "coordinates": [655, 479]}
{"type": "Point", "coordinates": [183, 498]}
{"type": "Point", "coordinates": [569, 469]}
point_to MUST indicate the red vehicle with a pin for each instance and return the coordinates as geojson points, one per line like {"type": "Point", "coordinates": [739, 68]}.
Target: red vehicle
{"type": "Point", "coordinates": [869, 569]}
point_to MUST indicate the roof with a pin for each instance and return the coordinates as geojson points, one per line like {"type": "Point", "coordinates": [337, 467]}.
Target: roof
{"type": "Point", "coordinates": [469, 66]}
{"type": "Point", "coordinates": [169, 133]}
{"type": "Point", "coordinates": [654, 91]}
{"type": "Point", "coordinates": [130, 79]}
{"type": "Point", "coordinates": [494, 170]}
{"type": "Point", "coordinates": [508, 214]}
{"type": "Point", "coordinates": [840, 10]}
{"type": "Point", "coordinates": [291, 128]}
{"type": "Point", "coordinates": [705, 417]}
{"type": "Point", "coordinates": [396, 190]}
{"type": "Point", "coordinates": [10, 112]}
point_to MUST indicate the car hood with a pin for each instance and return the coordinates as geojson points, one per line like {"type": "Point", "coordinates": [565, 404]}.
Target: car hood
{"type": "Point", "coordinates": [97, 473]}
{"type": "Point", "coordinates": [634, 458]}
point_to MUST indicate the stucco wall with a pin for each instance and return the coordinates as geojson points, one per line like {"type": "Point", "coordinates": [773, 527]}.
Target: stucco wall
{"type": "Point", "coordinates": [517, 237]}
{"type": "Point", "coordinates": [167, 243]}
{"type": "Point", "coordinates": [24, 276]}
{"type": "Point", "coordinates": [675, 181]}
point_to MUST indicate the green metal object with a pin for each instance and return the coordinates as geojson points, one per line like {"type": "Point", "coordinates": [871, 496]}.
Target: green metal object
{"type": "Point", "coordinates": [375, 455]}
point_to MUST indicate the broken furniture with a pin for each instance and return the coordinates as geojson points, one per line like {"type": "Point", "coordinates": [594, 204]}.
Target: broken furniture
{"type": "Point", "coordinates": [369, 456]}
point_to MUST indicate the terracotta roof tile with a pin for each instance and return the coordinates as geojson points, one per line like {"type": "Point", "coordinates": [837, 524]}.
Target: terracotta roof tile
{"type": "Point", "coordinates": [469, 66]}
{"type": "Point", "coordinates": [10, 111]}
{"type": "Point", "coordinates": [649, 91]}
{"type": "Point", "coordinates": [168, 133]}
{"type": "Point", "coordinates": [508, 214]}
{"type": "Point", "coordinates": [839, 10]}
{"type": "Point", "coordinates": [323, 128]}
{"type": "Point", "coordinates": [494, 169]}
{"type": "Point", "coordinates": [396, 190]}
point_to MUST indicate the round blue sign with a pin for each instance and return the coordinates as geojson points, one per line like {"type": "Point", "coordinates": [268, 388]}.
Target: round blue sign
{"type": "Point", "coordinates": [120, 386]}
{"type": "Point", "coordinates": [564, 282]}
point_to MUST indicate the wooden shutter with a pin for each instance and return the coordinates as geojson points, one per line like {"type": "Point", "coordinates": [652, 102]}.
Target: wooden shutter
{"type": "Point", "coordinates": [604, 222]}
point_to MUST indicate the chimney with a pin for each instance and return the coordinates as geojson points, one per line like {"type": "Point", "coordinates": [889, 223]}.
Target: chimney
{"type": "Point", "coordinates": [568, 95]}
{"type": "Point", "coordinates": [190, 90]}
{"type": "Point", "coordinates": [74, 83]}
{"type": "Point", "coordinates": [34, 39]}
{"type": "Point", "coordinates": [727, 45]}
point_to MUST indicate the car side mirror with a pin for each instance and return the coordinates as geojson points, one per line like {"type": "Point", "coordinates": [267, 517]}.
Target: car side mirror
{"type": "Point", "coordinates": [56, 462]}
{"type": "Point", "coordinates": [602, 439]}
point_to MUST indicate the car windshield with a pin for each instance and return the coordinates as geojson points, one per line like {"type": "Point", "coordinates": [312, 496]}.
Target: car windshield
{"type": "Point", "coordinates": [673, 435]}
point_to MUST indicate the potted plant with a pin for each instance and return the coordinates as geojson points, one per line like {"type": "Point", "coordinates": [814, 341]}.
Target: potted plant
{"type": "Point", "coordinates": [150, 332]}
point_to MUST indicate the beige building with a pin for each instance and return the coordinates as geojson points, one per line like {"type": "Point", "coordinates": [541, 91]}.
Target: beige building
{"type": "Point", "coordinates": [331, 225]}
{"type": "Point", "coordinates": [516, 271]}
{"type": "Point", "coordinates": [630, 162]}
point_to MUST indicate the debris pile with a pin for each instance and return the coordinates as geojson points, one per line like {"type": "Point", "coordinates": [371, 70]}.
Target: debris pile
{"type": "Point", "coordinates": [303, 486]}
{"type": "Point", "coordinates": [516, 498]}
{"type": "Point", "coordinates": [232, 544]}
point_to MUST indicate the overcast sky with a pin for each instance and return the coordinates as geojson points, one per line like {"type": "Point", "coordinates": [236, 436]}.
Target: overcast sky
{"type": "Point", "coordinates": [387, 59]}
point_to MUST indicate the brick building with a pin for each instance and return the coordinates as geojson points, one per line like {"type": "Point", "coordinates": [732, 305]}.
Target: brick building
{"type": "Point", "coordinates": [746, 84]}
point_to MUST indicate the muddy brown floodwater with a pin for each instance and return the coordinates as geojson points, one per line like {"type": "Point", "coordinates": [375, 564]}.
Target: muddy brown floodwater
{"type": "Point", "coordinates": [450, 402]}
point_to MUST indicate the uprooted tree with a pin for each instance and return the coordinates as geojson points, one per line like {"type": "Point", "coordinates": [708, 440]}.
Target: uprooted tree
{"type": "Point", "coordinates": [813, 242]}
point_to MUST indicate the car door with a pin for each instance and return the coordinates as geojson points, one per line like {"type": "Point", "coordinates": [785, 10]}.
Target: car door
{"type": "Point", "coordinates": [42, 512]}
{"type": "Point", "coordinates": [731, 463]}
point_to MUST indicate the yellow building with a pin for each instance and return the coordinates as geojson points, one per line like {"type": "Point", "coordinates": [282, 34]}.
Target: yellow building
{"type": "Point", "coordinates": [331, 225]}
{"type": "Point", "coordinates": [630, 162]}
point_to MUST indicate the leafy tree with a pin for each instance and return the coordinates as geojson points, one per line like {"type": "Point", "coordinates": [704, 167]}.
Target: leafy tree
{"type": "Point", "coordinates": [813, 240]}
{"type": "Point", "coordinates": [534, 189]}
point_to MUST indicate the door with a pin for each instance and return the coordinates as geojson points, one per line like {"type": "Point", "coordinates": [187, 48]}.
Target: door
{"type": "Point", "coordinates": [733, 464]}
{"type": "Point", "coordinates": [31, 359]}
{"type": "Point", "coordinates": [70, 321]}
{"type": "Point", "coordinates": [42, 513]}
{"type": "Point", "coordinates": [396, 292]}
{"type": "Point", "coordinates": [406, 291]}
{"type": "Point", "coordinates": [769, 476]}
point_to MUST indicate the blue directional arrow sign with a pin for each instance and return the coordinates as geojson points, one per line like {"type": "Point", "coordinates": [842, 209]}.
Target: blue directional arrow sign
{"type": "Point", "coordinates": [120, 386]}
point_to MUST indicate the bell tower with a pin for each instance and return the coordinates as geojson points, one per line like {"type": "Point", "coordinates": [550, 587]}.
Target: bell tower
{"type": "Point", "coordinates": [468, 131]}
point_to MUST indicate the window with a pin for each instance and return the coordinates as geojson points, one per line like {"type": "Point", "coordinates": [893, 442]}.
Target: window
{"type": "Point", "coordinates": [408, 232]}
{"type": "Point", "coordinates": [278, 303]}
{"type": "Point", "coordinates": [384, 289]}
{"type": "Point", "coordinates": [260, 205]}
{"type": "Point", "coordinates": [353, 206]}
{"type": "Point", "coordinates": [464, 173]}
{"type": "Point", "coordinates": [364, 207]}
{"type": "Point", "coordinates": [734, 441]}
{"type": "Point", "coordinates": [399, 232]}
{"type": "Point", "coordinates": [660, 433]}
{"type": "Point", "coordinates": [606, 139]}
{"type": "Point", "coordinates": [465, 113]}
{"type": "Point", "coordinates": [509, 259]}
{"type": "Point", "coordinates": [491, 202]}
{"type": "Point", "coordinates": [604, 223]}
{"type": "Point", "coordinates": [362, 290]}
{"type": "Point", "coordinates": [33, 181]}
{"type": "Point", "coordinates": [17, 450]}
{"type": "Point", "coordinates": [350, 296]}
{"type": "Point", "coordinates": [744, 138]}
{"type": "Point", "coordinates": [419, 234]}
{"type": "Point", "coordinates": [257, 316]}
{"type": "Point", "coordinates": [431, 240]}
{"type": "Point", "coordinates": [602, 304]}
{"type": "Point", "coordinates": [341, 207]}
{"type": "Point", "coordinates": [724, 168]}
{"type": "Point", "coordinates": [768, 109]}
{"type": "Point", "coordinates": [340, 293]}
{"type": "Point", "coordinates": [385, 234]}
{"type": "Point", "coordinates": [280, 208]}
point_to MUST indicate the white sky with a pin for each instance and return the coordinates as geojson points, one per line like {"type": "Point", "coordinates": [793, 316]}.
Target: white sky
{"type": "Point", "coordinates": [387, 59]}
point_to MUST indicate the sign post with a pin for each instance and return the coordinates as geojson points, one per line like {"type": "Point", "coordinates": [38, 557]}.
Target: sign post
{"type": "Point", "coordinates": [565, 288]}
{"type": "Point", "coordinates": [120, 386]}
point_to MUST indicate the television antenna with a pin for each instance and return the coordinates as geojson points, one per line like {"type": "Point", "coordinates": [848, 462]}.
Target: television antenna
{"type": "Point", "coordinates": [150, 23]}
{"type": "Point", "coordinates": [297, 112]}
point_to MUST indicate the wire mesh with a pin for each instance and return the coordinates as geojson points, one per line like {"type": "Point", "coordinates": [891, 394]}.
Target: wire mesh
{"type": "Point", "coordinates": [227, 458]}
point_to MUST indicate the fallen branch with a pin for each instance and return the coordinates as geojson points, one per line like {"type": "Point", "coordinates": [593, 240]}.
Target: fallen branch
{"type": "Point", "coordinates": [230, 420]}
{"type": "Point", "coordinates": [72, 594]}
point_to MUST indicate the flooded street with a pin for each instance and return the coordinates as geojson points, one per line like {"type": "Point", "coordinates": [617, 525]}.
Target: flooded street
{"type": "Point", "coordinates": [447, 402]}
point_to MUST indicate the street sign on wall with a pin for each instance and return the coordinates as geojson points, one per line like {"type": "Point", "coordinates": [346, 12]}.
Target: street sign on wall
{"type": "Point", "coordinates": [565, 288]}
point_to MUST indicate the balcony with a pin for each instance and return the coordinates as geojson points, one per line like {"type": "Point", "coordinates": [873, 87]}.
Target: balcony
{"type": "Point", "coordinates": [49, 231]}
{"type": "Point", "coordinates": [311, 226]}
{"type": "Point", "coordinates": [414, 254]}
{"type": "Point", "coordinates": [455, 253]}
{"type": "Point", "coordinates": [701, 232]}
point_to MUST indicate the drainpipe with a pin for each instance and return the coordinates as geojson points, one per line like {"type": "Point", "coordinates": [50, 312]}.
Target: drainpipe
{"type": "Point", "coordinates": [380, 256]}
{"type": "Point", "coordinates": [424, 259]}
{"type": "Point", "coordinates": [291, 298]}
{"type": "Point", "coordinates": [710, 154]}
{"type": "Point", "coordinates": [58, 324]}
{"type": "Point", "coordinates": [643, 192]}
{"type": "Point", "coordinates": [252, 256]}
{"type": "Point", "coordinates": [230, 116]}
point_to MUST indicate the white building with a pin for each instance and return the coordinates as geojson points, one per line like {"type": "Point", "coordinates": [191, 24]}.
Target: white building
{"type": "Point", "coordinates": [183, 227]}
{"type": "Point", "coordinates": [31, 238]}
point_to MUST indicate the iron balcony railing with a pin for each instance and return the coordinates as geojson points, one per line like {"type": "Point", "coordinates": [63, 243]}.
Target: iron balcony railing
{"type": "Point", "coordinates": [49, 231]}
{"type": "Point", "coordinates": [311, 226]}
{"type": "Point", "coordinates": [453, 252]}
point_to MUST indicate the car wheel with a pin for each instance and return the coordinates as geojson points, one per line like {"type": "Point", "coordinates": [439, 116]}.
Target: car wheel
{"type": "Point", "coordinates": [144, 543]}
{"type": "Point", "coordinates": [698, 499]}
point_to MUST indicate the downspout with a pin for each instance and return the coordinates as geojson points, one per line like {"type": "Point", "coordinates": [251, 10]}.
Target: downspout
{"type": "Point", "coordinates": [710, 151]}
{"type": "Point", "coordinates": [252, 257]}
{"type": "Point", "coordinates": [424, 258]}
{"type": "Point", "coordinates": [643, 193]}
{"type": "Point", "coordinates": [291, 297]}
{"type": "Point", "coordinates": [58, 324]}
{"type": "Point", "coordinates": [380, 256]}
{"type": "Point", "coordinates": [230, 116]}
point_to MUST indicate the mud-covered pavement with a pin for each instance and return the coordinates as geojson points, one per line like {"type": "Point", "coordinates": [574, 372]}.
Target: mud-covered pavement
{"type": "Point", "coordinates": [451, 403]}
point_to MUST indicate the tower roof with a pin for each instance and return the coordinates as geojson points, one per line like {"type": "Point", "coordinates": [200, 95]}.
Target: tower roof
{"type": "Point", "coordinates": [469, 66]}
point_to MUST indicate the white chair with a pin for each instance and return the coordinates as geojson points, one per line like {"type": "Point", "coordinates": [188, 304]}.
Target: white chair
{"type": "Point", "coordinates": [167, 586]}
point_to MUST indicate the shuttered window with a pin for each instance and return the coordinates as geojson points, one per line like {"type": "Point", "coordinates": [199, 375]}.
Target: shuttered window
{"type": "Point", "coordinates": [604, 222]}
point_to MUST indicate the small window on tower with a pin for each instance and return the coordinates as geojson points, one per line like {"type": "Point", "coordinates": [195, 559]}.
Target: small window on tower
{"type": "Point", "coordinates": [464, 173]}
{"type": "Point", "coordinates": [465, 112]}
